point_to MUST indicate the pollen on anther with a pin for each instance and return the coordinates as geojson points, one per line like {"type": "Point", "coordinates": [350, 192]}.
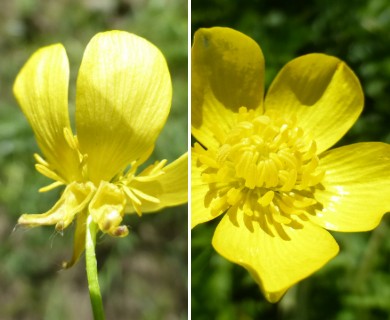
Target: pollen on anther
{"type": "Point", "coordinates": [265, 167]}
{"type": "Point", "coordinates": [266, 199]}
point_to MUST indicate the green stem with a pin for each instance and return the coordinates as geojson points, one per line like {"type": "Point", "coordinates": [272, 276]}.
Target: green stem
{"type": "Point", "coordinates": [92, 275]}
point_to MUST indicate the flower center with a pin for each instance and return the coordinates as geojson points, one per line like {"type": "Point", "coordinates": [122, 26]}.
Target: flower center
{"type": "Point", "coordinates": [106, 201]}
{"type": "Point", "coordinates": [265, 167]}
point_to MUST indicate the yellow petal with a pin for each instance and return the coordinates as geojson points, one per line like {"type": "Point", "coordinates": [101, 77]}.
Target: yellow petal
{"type": "Point", "coordinates": [227, 73]}
{"type": "Point", "coordinates": [73, 200]}
{"type": "Point", "coordinates": [322, 93]}
{"type": "Point", "coordinates": [166, 190]}
{"type": "Point", "coordinates": [107, 209]}
{"type": "Point", "coordinates": [122, 101]}
{"type": "Point", "coordinates": [41, 89]}
{"type": "Point", "coordinates": [276, 261]}
{"type": "Point", "coordinates": [200, 211]}
{"type": "Point", "coordinates": [356, 187]}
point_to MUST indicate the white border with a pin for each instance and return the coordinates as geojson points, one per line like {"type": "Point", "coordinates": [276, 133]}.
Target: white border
{"type": "Point", "coordinates": [189, 157]}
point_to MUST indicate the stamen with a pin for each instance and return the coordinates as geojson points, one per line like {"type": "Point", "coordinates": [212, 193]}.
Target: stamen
{"type": "Point", "coordinates": [157, 167]}
{"type": "Point", "coordinates": [234, 196]}
{"type": "Point", "coordinates": [143, 157]}
{"type": "Point", "coordinates": [219, 134]}
{"type": "Point", "coordinates": [218, 204]}
{"type": "Point", "coordinates": [131, 195]}
{"type": "Point", "coordinates": [291, 180]}
{"type": "Point", "coordinates": [48, 172]}
{"type": "Point", "coordinates": [51, 186]}
{"type": "Point", "coordinates": [145, 196]}
{"type": "Point", "coordinates": [83, 165]}
{"type": "Point", "coordinates": [153, 170]}
{"type": "Point", "coordinates": [263, 167]}
{"type": "Point", "coordinates": [70, 139]}
{"type": "Point", "coordinates": [149, 177]}
{"type": "Point", "coordinates": [40, 160]}
{"type": "Point", "coordinates": [266, 199]}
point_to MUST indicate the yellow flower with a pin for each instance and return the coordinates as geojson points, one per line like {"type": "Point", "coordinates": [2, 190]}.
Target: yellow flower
{"type": "Point", "coordinates": [122, 102]}
{"type": "Point", "coordinates": [265, 164]}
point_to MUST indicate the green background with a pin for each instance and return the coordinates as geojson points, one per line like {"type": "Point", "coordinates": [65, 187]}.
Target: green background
{"type": "Point", "coordinates": [356, 284]}
{"type": "Point", "coordinates": [143, 276]}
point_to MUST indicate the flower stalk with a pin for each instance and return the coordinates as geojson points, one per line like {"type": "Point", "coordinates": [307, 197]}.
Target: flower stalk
{"type": "Point", "coordinates": [91, 266]}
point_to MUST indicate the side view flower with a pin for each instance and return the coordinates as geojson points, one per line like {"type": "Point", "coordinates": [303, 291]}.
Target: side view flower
{"type": "Point", "coordinates": [123, 99]}
{"type": "Point", "coordinates": [264, 163]}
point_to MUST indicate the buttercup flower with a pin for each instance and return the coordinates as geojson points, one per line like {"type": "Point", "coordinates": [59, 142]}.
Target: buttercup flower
{"type": "Point", "coordinates": [122, 102]}
{"type": "Point", "coordinates": [264, 162]}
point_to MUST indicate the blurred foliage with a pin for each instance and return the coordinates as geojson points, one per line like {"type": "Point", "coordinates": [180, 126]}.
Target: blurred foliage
{"type": "Point", "coordinates": [356, 284]}
{"type": "Point", "coordinates": [143, 276]}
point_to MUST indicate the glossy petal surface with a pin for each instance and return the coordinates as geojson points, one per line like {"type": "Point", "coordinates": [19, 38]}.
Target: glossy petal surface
{"type": "Point", "coordinates": [354, 187]}
{"type": "Point", "coordinates": [41, 89]}
{"type": "Point", "coordinates": [277, 259]}
{"type": "Point", "coordinates": [169, 189]}
{"type": "Point", "coordinates": [200, 210]}
{"type": "Point", "coordinates": [227, 73]}
{"type": "Point", "coordinates": [123, 99]}
{"type": "Point", "coordinates": [321, 93]}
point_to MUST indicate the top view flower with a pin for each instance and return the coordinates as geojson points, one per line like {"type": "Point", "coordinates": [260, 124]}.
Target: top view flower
{"type": "Point", "coordinates": [123, 99]}
{"type": "Point", "coordinates": [264, 162]}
